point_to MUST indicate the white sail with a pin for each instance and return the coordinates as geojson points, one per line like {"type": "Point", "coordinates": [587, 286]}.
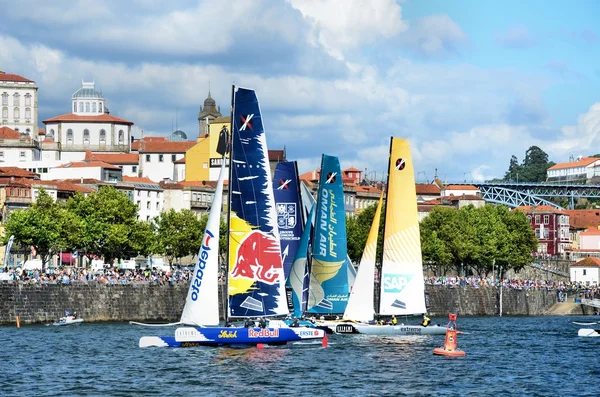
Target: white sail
{"type": "Point", "coordinates": [361, 302]}
{"type": "Point", "coordinates": [402, 285]}
{"type": "Point", "coordinates": [202, 303]}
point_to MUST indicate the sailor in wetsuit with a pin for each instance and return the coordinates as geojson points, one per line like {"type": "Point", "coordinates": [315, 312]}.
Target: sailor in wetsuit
{"type": "Point", "coordinates": [426, 320]}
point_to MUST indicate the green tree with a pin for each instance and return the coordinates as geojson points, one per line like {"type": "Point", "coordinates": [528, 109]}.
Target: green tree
{"type": "Point", "coordinates": [534, 165]}
{"type": "Point", "coordinates": [179, 234]}
{"type": "Point", "coordinates": [513, 170]}
{"type": "Point", "coordinates": [47, 226]}
{"type": "Point", "coordinates": [110, 228]}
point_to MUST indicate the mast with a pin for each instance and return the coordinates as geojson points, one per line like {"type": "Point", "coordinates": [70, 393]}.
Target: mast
{"type": "Point", "coordinates": [380, 270]}
{"type": "Point", "coordinates": [230, 143]}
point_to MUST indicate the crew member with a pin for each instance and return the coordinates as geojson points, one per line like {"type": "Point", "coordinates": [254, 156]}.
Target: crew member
{"type": "Point", "coordinates": [394, 320]}
{"type": "Point", "coordinates": [263, 322]}
{"type": "Point", "coordinates": [295, 323]}
{"type": "Point", "coordinates": [249, 323]}
{"type": "Point", "coordinates": [426, 320]}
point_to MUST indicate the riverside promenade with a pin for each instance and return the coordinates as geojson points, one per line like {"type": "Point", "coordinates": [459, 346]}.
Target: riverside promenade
{"type": "Point", "coordinates": [148, 301]}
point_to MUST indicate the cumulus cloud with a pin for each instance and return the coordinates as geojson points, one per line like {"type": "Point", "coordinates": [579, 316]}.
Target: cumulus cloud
{"type": "Point", "coordinates": [341, 25]}
{"type": "Point", "coordinates": [436, 36]}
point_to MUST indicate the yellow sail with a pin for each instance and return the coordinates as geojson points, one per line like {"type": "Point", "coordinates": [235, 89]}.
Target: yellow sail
{"type": "Point", "coordinates": [402, 286]}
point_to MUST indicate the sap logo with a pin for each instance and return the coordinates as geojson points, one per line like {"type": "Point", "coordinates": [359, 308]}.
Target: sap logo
{"type": "Point", "coordinates": [308, 333]}
{"type": "Point", "coordinates": [395, 282]}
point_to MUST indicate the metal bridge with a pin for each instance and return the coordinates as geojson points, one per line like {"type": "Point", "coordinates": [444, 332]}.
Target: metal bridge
{"type": "Point", "coordinates": [514, 194]}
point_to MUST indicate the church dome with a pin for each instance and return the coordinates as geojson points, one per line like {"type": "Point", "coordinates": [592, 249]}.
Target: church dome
{"type": "Point", "coordinates": [178, 136]}
{"type": "Point", "coordinates": [87, 91]}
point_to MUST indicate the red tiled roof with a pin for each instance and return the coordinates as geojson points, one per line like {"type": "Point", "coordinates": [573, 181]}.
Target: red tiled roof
{"type": "Point", "coordinates": [539, 209]}
{"type": "Point", "coordinates": [66, 186]}
{"type": "Point", "coordinates": [590, 261]}
{"type": "Point", "coordinates": [351, 169]}
{"type": "Point", "coordinates": [113, 158]}
{"type": "Point", "coordinates": [102, 118]}
{"type": "Point", "coordinates": [367, 189]}
{"type": "Point", "coordinates": [427, 188]}
{"type": "Point", "coordinates": [582, 219]}
{"type": "Point", "coordinates": [592, 231]}
{"type": "Point", "coordinates": [17, 172]}
{"type": "Point", "coordinates": [180, 161]}
{"type": "Point", "coordinates": [14, 77]}
{"type": "Point", "coordinates": [461, 197]}
{"type": "Point", "coordinates": [9, 133]}
{"type": "Point", "coordinates": [93, 163]}
{"type": "Point", "coordinates": [138, 179]}
{"type": "Point", "coordinates": [584, 162]}
{"type": "Point", "coordinates": [41, 131]}
{"type": "Point", "coordinates": [84, 181]}
{"type": "Point", "coordinates": [152, 145]}
{"type": "Point", "coordinates": [461, 187]}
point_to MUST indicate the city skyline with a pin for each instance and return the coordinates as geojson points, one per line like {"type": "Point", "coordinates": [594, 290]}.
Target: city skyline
{"type": "Point", "coordinates": [468, 83]}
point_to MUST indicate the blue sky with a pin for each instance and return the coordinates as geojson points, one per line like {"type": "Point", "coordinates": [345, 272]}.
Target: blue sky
{"type": "Point", "coordinates": [469, 83]}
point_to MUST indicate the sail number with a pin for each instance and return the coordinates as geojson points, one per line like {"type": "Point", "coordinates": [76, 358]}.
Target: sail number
{"type": "Point", "coordinates": [345, 329]}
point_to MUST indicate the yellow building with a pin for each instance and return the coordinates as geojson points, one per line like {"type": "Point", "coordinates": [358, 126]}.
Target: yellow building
{"type": "Point", "coordinates": [202, 162]}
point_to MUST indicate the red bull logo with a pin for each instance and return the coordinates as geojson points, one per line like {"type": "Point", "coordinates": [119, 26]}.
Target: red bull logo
{"type": "Point", "coordinates": [202, 257]}
{"type": "Point", "coordinates": [263, 333]}
{"type": "Point", "coordinates": [258, 258]}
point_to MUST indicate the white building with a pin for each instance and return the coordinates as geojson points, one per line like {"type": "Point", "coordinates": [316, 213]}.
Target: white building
{"type": "Point", "coordinates": [19, 104]}
{"type": "Point", "coordinates": [17, 149]}
{"type": "Point", "coordinates": [148, 196]}
{"type": "Point", "coordinates": [460, 190]}
{"type": "Point", "coordinates": [94, 169]}
{"type": "Point", "coordinates": [586, 271]}
{"type": "Point", "coordinates": [158, 156]}
{"type": "Point", "coordinates": [583, 168]}
{"type": "Point", "coordinates": [89, 127]}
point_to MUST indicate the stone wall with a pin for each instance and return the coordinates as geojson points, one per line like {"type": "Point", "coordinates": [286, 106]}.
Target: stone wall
{"type": "Point", "coordinates": [147, 302]}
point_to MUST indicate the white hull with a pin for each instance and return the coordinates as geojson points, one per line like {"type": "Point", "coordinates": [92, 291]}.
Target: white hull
{"type": "Point", "coordinates": [348, 327]}
{"type": "Point", "coordinates": [68, 321]}
{"type": "Point", "coordinates": [588, 332]}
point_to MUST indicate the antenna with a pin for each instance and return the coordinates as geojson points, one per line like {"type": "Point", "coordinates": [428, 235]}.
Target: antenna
{"type": "Point", "coordinates": [176, 118]}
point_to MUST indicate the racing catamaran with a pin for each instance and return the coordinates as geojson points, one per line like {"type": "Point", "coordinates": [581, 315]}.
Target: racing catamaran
{"type": "Point", "coordinates": [255, 281]}
{"type": "Point", "coordinates": [402, 290]}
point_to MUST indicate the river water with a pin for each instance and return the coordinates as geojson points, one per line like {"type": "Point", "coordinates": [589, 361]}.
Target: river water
{"type": "Point", "coordinates": [506, 356]}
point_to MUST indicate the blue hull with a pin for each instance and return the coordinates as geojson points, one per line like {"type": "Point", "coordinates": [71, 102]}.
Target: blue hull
{"type": "Point", "coordinates": [231, 336]}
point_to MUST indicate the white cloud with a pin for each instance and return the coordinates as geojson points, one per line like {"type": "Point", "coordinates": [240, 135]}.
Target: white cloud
{"type": "Point", "coordinates": [340, 25]}
{"type": "Point", "coordinates": [435, 36]}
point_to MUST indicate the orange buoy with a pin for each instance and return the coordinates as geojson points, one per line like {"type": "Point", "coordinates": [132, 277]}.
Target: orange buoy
{"type": "Point", "coordinates": [324, 340]}
{"type": "Point", "coordinates": [18, 323]}
{"type": "Point", "coordinates": [450, 343]}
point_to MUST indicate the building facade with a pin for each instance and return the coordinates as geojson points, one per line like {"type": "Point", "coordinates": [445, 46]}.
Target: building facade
{"type": "Point", "coordinates": [551, 228]}
{"type": "Point", "coordinates": [19, 104]}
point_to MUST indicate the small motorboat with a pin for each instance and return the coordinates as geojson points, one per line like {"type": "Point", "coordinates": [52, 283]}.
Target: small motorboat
{"type": "Point", "coordinates": [69, 319]}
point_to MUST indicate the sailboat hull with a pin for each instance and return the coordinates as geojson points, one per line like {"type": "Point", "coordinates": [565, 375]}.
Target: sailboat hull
{"type": "Point", "coordinates": [350, 327]}
{"type": "Point", "coordinates": [228, 336]}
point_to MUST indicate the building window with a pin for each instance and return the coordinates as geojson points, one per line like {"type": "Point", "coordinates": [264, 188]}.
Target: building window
{"type": "Point", "coordinates": [148, 205]}
{"type": "Point", "coordinates": [157, 205]}
{"type": "Point", "coordinates": [134, 168]}
{"type": "Point", "coordinates": [173, 158]}
{"type": "Point", "coordinates": [27, 113]}
{"type": "Point", "coordinates": [28, 131]}
{"type": "Point", "coordinates": [2, 156]}
{"type": "Point", "coordinates": [147, 158]}
{"type": "Point", "coordinates": [4, 113]}
{"type": "Point", "coordinates": [50, 134]}
{"type": "Point", "coordinates": [546, 219]}
{"type": "Point", "coordinates": [537, 219]}
{"type": "Point", "coordinates": [160, 158]}
{"type": "Point", "coordinates": [93, 107]}
{"type": "Point", "coordinates": [69, 136]}
{"type": "Point", "coordinates": [80, 107]}
{"type": "Point", "coordinates": [102, 136]}
{"type": "Point", "coordinates": [139, 193]}
{"type": "Point", "coordinates": [584, 272]}
{"type": "Point", "coordinates": [121, 136]}
{"type": "Point", "coordinates": [22, 155]}
{"type": "Point", "coordinates": [86, 137]}
{"type": "Point", "coordinates": [204, 165]}
{"type": "Point", "coordinates": [5, 99]}
{"type": "Point", "coordinates": [74, 107]}
{"type": "Point", "coordinates": [139, 203]}
{"type": "Point", "coordinates": [17, 113]}
{"type": "Point", "coordinates": [87, 107]}
{"type": "Point", "coordinates": [16, 100]}
{"type": "Point", "coordinates": [100, 107]}
{"type": "Point", "coordinates": [27, 99]}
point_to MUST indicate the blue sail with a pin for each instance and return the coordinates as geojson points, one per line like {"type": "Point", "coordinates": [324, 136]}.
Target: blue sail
{"type": "Point", "coordinates": [329, 288]}
{"type": "Point", "coordinates": [289, 211]}
{"type": "Point", "coordinates": [256, 283]}
{"type": "Point", "coordinates": [298, 279]}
